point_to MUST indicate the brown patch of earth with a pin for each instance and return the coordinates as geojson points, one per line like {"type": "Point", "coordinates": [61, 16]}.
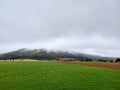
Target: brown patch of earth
{"type": "Point", "coordinates": [114, 66]}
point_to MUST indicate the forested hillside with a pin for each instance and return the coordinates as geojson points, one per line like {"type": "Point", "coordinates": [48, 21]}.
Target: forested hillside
{"type": "Point", "coordinates": [42, 54]}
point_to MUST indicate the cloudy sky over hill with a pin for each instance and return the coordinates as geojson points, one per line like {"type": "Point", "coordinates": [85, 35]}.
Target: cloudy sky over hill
{"type": "Point", "coordinates": [88, 26]}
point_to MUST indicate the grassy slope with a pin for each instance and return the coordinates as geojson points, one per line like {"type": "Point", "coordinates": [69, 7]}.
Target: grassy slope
{"type": "Point", "coordinates": [55, 76]}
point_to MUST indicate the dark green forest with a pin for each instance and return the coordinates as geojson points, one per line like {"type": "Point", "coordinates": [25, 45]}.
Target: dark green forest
{"type": "Point", "coordinates": [43, 54]}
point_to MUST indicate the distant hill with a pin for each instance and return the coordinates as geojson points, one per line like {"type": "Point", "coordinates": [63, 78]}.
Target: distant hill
{"type": "Point", "coordinates": [43, 54]}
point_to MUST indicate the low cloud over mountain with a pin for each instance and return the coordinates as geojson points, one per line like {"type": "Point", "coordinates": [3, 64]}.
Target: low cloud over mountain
{"type": "Point", "coordinates": [88, 26]}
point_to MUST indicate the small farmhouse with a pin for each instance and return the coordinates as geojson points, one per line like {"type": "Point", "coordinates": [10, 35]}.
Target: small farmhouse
{"type": "Point", "coordinates": [65, 59]}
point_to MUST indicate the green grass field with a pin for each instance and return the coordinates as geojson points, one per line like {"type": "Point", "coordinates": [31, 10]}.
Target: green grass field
{"type": "Point", "coordinates": [56, 76]}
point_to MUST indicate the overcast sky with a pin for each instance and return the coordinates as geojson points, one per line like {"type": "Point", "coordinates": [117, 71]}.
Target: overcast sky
{"type": "Point", "coordinates": [88, 26]}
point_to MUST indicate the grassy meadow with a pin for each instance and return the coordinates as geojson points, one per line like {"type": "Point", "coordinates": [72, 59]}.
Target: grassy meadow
{"type": "Point", "coordinates": [56, 76]}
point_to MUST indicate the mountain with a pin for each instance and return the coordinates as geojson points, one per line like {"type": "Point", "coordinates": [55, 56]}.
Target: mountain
{"type": "Point", "coordinates": [43, 54]}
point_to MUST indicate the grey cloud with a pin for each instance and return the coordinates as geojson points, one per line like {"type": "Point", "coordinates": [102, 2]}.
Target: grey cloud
{"type": "Point", "coordinates": [79, 25]}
